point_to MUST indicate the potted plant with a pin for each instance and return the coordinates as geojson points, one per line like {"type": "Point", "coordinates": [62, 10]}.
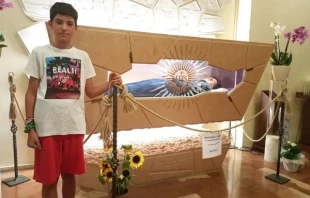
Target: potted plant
{"type": "Point", "coordinates": [4, 4]}
{"type": "Point", "coordinates": [281, 60]}
{"type": "Point", "coordinates": [131, 160]}
{"type": "Point", "coordinates": [292, 157]}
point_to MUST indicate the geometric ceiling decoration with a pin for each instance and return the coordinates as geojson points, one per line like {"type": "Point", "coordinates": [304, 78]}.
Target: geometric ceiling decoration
{"type": "Point", "coordinates": [180, 17]}
{"type": "Point", "coordinates": [209, 5]}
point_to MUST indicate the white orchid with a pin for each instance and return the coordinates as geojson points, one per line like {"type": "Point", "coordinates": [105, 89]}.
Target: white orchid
{"type": "Point", "coordinates": [278, 29]}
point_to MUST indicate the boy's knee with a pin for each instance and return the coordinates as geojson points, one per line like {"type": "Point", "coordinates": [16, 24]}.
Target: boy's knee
{"type": "Point", "coordinates": [66, 176]}
{"type": "Point", "coordinates": [50, 186]}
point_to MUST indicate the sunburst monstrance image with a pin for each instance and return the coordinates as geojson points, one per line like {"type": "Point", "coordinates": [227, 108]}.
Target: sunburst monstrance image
{"type": "Point", "coordinates": [180, 75]}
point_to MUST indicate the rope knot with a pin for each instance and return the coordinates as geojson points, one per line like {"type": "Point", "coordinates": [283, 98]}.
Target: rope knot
{"type": "Point", "coordinates": [106, 101]}
{"type": "Point", "coordinates": [123, 92]}
{"type": "Point", "coordinates": [12, 88]}
{"type": "Point", "coordinates": [128, 104]}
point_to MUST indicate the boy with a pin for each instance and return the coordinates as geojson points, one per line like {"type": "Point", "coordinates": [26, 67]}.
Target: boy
{"type": "Point", "coordinates": [59, 76]}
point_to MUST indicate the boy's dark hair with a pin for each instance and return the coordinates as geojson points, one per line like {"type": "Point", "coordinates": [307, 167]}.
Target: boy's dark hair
{"type": "Point", "coordinates": [63, 9]}
{"type": "Point", "coordinates": [218, 84]}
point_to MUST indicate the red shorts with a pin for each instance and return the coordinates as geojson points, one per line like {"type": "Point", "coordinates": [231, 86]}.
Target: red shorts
{"type": "Point", "coordinates": [59, 154]}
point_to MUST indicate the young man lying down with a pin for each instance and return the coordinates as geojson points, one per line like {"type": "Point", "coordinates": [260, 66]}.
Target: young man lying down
{"type": "Point", "coordinates": [164, 87]}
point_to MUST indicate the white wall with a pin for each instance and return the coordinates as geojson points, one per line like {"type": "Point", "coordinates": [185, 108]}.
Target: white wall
{"type": "Point", "coordinates": [14, 59]}
{"type": "Point", "coordinates": [292, 14]}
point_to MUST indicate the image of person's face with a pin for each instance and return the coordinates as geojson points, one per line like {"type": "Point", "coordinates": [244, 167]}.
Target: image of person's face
{"type": "Point", "coordinates": [211, 81]}
{"type": "Point", "coordinates": [63, 27]}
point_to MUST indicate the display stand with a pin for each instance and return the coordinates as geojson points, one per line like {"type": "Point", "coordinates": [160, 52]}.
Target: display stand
{"type": "Point", "coordinates": [115, 160]}
{"type": "Point", "coordinates": [276, 176]}
{"type": "Point", "coordinates": [17, 179]}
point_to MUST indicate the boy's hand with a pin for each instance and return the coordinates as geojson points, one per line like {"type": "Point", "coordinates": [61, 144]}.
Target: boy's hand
{"type": "Point", "coordinates": [33, 140]}
{"type": "Point", "coordinates": [115, 78]}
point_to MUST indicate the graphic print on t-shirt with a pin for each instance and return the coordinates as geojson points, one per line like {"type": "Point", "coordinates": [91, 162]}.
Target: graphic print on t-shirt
{"type": "Point", "coordinates": [63, 78]}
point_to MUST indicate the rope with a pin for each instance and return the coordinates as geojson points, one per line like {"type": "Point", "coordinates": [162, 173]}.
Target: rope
{"type": "Point", "coordinates": [272, 121]}
{"type": "Point", "coordinates": [12, 112]}
{"type": "Point", "coordinates": [14, 102]}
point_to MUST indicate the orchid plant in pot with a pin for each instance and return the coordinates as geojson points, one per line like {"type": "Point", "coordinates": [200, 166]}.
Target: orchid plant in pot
{"type": "Point", "coordinates": [4, 4]}
{"type": "Point", "coordinates": [281, 60]}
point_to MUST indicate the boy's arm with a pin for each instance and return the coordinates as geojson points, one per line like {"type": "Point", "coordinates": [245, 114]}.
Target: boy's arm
{"type": "Point", "coordinates": [31, 96]}
{"type": "Point", "coordinates": [30, 100]}
{"type": "Point", "coordinates": [95, 91]}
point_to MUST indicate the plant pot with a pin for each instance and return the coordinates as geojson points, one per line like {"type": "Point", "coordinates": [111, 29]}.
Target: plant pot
{"type": "Point", "coordinates": [280, 72]}
{"type": "Point", "coordinates": [291, 166]}
{"type": "Point", "coordinates": [121, 193]}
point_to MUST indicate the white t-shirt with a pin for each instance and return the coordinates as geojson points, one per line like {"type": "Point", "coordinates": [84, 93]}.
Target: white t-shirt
{"type": "Point", "coordinates": [59, 108]}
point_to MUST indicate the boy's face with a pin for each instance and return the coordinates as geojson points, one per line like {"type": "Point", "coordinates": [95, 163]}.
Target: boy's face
{"type": "Point", "coordinates": [211, 81]}
{"type": "Point", "coordinates": [63, 27]}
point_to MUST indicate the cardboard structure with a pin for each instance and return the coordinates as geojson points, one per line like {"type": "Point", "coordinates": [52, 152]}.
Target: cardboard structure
{"type": "Point", "coordinates": [117, 50]}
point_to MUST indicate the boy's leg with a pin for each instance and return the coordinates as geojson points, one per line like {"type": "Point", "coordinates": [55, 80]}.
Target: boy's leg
{"type": "Point", "coordinates": [47, 165]}
{"type": "Point", "coordinates": [73, 163]}
{"type": "Point", "coordinates": [50, 191]}
{"type": "Point", "coordinates": [68, 185]}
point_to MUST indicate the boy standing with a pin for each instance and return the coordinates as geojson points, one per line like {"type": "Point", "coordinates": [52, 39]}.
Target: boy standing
{"type": "Point", "coordinates": [59, 74]}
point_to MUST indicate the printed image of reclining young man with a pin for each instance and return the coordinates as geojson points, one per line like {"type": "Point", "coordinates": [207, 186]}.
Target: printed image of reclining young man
{"type": "Point", "coordinates": [164, 87]}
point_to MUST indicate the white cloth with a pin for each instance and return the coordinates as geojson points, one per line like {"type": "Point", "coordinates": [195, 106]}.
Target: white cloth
{"type": "Point", "coordinates": [59, 107]}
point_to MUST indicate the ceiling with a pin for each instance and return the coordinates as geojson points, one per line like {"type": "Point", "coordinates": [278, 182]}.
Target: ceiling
{"type": "Point", "coordinates": [183, 17]}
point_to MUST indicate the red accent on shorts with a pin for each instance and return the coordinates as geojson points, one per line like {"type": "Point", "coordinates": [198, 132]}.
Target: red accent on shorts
{"type": "Point", "coordinates": [59, 154]}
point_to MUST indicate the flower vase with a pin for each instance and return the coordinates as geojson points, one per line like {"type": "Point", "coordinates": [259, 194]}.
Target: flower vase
{"type": "Point", "coordinates": [0, 52]}
{"type": "Point", "coordinates": [294, 165]}
{"type": "Point", "coordinates": [123, 192]}
{"type": "Point", "coordinates": [291, 165]}
{"type": "Point", "coordinates": [280, 72]}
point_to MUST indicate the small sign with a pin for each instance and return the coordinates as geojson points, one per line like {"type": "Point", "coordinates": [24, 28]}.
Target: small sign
{"type": "Point", "coordinates": [211, 145]}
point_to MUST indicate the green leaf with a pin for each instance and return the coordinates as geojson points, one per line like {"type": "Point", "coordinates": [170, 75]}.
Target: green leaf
{"type": "Point", "coordinates": [101, 179]}
{"type": "Point", "coordinates": [289, 60]}
{"type": "Point", "coordinates": [126, 183]}
{"type": "Point", "coordinates": [283, 58]}
{"type": "Point", "coordinates": [129, 146]}
{"type": "Point", "coordinates": [1, 45]}
{"type": "Point", "coordinates": [274, 58]}
{"type": "Point", "coordinates": [272, 63]}
{"type": "Point", "coordinates": [2, 39]}
{"type": "Point", "coordinates": [126, 165]}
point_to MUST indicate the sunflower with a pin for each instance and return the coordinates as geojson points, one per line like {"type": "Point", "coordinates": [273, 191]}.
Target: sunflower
{"type": "Point", "coordinates": [125, 173]}
{"type": "Point", "coordinates": [127, 148]}
{"type": "Point", "coordinates": [136, 160]}
{"type": "Point", "coordinates": [100, 164]}
{"type": "Point", "coordinates": [108, 172]}
{"type": "Point", "coordinates": [108, 149]}
{"type": "Point", "coordinates": [104, 165]}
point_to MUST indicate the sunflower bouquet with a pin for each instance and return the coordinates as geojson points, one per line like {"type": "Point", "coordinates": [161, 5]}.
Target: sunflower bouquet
{"type": "Point", "coordinates": [131, 160]}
